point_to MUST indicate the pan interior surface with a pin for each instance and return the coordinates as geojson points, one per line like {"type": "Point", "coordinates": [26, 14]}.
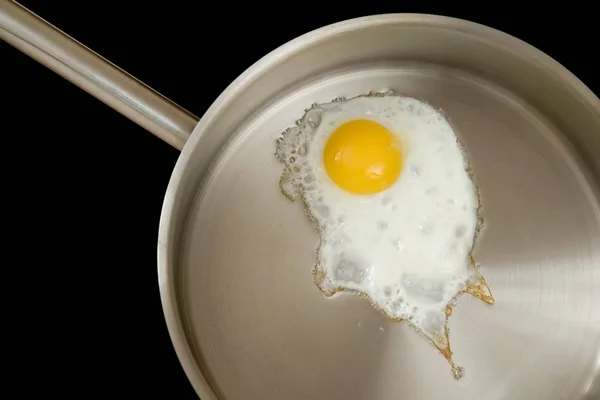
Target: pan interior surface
{"type": "Point", "coordinates": [251, 322]}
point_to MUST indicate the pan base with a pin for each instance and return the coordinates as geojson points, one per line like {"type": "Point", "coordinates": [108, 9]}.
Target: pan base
{"type": "Point", "coordinates": [260, 328]}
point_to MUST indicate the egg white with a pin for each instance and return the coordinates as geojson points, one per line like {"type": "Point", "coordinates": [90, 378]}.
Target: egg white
{"type": "Point", "coordinates": [407, 248]}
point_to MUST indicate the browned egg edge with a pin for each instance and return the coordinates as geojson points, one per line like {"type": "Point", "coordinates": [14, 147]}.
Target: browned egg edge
{"type": "Point", "coordinates": [477, 288]}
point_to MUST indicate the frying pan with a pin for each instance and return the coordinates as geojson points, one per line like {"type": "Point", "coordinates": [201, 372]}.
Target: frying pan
{"type": "Point", "coordinates": [235, 257]}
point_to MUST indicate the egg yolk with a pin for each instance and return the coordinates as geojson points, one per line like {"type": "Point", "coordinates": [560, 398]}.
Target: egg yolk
{"type": "Point", "coordinates": [363, 157]}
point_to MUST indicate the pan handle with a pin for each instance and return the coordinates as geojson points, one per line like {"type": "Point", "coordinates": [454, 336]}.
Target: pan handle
{"type": "Point", "coordinates": [91, 72]}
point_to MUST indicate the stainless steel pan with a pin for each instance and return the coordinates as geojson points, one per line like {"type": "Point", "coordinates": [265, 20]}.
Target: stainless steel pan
{"type": "Point", "coordinates": [235, 257]}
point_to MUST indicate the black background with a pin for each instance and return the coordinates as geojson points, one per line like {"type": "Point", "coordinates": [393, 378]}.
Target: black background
{"type": "Point", "coordinates": [84, 185]}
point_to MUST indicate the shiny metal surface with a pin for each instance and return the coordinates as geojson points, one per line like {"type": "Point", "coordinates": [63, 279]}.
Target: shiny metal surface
{"type": "Point", "coordinates": [94, 74]}
{"type": "Point", "coordinates": [235, 256]}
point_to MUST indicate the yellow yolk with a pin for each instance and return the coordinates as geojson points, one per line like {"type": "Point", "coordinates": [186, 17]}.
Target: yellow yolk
{"type": "Point", "coordinates": [363, 157]}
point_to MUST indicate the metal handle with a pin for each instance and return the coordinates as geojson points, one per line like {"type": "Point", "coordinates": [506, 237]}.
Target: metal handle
{"type": "Point", "coordinates": [73, 61]}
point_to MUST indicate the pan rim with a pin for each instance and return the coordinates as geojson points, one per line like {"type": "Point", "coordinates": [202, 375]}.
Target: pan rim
{"type": "Point", "coordinates": [168, 224]}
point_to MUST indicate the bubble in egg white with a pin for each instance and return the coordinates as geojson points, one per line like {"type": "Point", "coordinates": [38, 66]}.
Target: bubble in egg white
{"type": "Point", "coordinates": [400, 248]}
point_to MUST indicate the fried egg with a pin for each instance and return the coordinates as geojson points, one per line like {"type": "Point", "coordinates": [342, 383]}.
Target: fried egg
{"type": "Point", "coordinates": [386, 181]}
